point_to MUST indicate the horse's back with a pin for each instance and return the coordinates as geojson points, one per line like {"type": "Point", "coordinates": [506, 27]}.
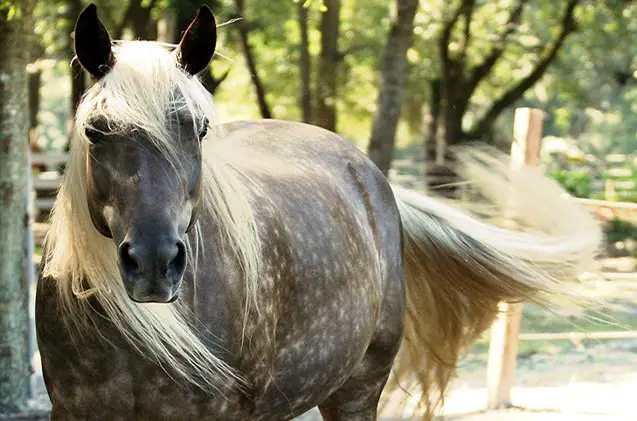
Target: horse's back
{"type": "Point", "coordinates": [276, 146]}
{"type": "Point", "coordinates": [309, 161]}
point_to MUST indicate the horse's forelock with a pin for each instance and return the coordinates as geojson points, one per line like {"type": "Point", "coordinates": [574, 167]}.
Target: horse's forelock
{"type": "Point", "coordinates": [144, 90]}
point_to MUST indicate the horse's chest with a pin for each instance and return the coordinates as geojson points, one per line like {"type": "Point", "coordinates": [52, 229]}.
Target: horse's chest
{"type": "Point", "coordinates": [116, 384]}
{"type": "Point", "coordinates": [109, 381]}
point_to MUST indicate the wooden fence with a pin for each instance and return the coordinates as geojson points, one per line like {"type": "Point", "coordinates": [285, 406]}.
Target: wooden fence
{"type": "Point", "coordinates": [49, 180]}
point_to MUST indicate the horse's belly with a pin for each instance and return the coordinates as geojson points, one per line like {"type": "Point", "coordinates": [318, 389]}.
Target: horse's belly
{"type": "Point", "coordinates": [311, 365]}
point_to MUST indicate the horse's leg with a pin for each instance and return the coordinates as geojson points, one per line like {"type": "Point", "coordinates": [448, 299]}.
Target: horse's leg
{"type": "Point", "coordinates": [357, 399]}
{"type": "Point", "coordinates": [60, 414]}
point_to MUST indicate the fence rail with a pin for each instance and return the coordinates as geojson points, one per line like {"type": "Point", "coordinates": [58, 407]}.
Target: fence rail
{"type": "Point", "coordinates": [49, 158]}
{"type": "Point", "coordinates": [578, 336]}
{"type": "Point", "coordinates": [48, 180]}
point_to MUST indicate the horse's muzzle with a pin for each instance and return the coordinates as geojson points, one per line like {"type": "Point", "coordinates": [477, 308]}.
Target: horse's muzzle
{"type": "Point", "coordinates": [152, 271]}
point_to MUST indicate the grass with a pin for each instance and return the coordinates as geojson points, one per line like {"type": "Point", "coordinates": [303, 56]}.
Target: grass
{"type": "Point", "coordinates": [617, 311]}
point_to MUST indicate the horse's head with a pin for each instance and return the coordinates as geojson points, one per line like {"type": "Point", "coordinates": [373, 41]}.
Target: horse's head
{"type": "Point", "coordinates": [143, 159]}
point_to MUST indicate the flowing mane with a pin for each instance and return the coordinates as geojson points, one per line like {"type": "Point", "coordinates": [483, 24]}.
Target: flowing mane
{"type": "Point", "coordinates": [142, 90]}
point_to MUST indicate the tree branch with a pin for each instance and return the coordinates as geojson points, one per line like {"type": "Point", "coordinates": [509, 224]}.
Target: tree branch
{"type": "Point", "coordinates": [130, 11]}
{"type": "Point", "coordinates": [446, 33]}
{"type": "Point", "coordinates": [508, 98]}
{"type": "Point", "coordinates": [305, 64]}
{"type": "Point", "coordinates": [134, 7]}
{"type": "Point", "coordinates": [451, 68]}
{"type": "Point", "coordinates": [481, 71]}
{"type": "Point", "coordinates": [468, 16]}
{"type": "Point", "coordinates": [250, 58]}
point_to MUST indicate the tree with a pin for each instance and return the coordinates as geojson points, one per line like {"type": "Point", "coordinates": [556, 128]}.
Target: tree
{"type": "Point", "coordinates": [34, 82]}
{"type": "Point", "coordinates": [251, 61]}
{"type": "Point", "coordinates": [305, 65]}
{"type": "Point", "coordinates": [15, 26]}
{"type": "Point", "coordinates": [465, 66]}
{"type": "Point", "coordinates": [138, 18]}
{"type": "Point", "coordinates": [590, 92]}
{"type": "Point", "coordinates": [393, 75]}
{"type": "Point", "coordinates": [515, 92]}
{"type": "Point", "coordinates": [330, 56]}
{"type": "Point", "coordinates": [78, 78]}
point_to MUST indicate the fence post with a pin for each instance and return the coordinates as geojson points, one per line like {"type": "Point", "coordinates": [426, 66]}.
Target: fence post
{"type": "Point", "coordinates": [503, 347]}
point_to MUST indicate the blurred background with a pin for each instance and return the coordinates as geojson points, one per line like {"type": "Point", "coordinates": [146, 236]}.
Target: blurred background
{"type": "Point", "coordinates": [406, 80]}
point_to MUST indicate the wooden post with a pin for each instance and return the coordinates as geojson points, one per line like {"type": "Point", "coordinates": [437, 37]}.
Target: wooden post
{"type": "Point", "coordinates": [503, 347]}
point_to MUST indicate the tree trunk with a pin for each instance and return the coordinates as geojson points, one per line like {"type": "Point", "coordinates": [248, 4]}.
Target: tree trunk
{"type": "Point", "coordinates": [138, 18]}
{"type": "Point", "coordinates": [167, 26]}
{"type": "Point", "coordinates": [34, 83]}
{"type": "Point", "coordinates": [78, 86]}
{"type": "Point", "coordinates": [431, 136]}
{"type": "Point", "coordinates": [329, 58]}
{"type": "Point", "coordinates": [439, 174]}
{"type": "Point", "coordinates": [305, 66]}
{"type": "Point", "coordinates": [381, 145]}
{"type": "Point", "coordinates": [259, 88]}
{"type": "Point", "coordinates": [33, 91]}
{"type": "Point", "coordinates": [186, 10]}
{"type": "Point", "coordinates": [78, 78]}
{"type": "Point", "coordinates": [454, 113]}
{"type": "Point", "coordinates": [251, 61]}
{"type": "Point", "coordinates": [14, 310]}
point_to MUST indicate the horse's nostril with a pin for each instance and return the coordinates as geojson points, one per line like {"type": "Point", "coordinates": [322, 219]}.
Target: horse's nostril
{"type": "Point", "coordinates": [127, 258]}
{"type": "Point", "coordinates": [163, 260]}
{"type": "Point", "coordinates": [177, 264]}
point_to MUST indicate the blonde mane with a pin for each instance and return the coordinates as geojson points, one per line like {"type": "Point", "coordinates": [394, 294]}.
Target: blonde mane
{"type": "Point", "coordinates": [141, 90]}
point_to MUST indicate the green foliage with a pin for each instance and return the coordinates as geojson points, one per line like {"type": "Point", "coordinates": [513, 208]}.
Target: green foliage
{"type": "Point", "coordinates": [55, 105]}
{"type": "Point", "coordinates": [618, 230]}
{"type": "Point", "coordinates": [576, 182]}
{"type": "Point", "coordinates": [11, 9]}
{"type": "Point", "coordinates": [590, 93]}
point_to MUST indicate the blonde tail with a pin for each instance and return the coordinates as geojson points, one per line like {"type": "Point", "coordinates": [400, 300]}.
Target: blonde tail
{"type": "Point", "coordinates": [458, 269]}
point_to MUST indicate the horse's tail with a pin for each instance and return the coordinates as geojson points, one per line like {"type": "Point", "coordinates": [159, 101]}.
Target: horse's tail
{"type": "Point", "coordinates": [458, 268]}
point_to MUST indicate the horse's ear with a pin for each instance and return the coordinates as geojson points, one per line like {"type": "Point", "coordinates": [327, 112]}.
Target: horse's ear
{"type": "Point", "coordinates": [92, 43]}
{"type": "Point", "coordinates": [197, 46]}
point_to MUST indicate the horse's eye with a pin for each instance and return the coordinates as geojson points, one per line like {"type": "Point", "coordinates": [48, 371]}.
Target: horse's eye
{"type": "Point", "coordinates": [204, 128]}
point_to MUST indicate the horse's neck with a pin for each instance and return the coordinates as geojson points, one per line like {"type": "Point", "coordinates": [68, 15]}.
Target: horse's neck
{"type": "Point", "coordinates": [213, 282]}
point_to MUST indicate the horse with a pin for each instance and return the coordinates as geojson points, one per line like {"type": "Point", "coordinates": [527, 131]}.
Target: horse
{"type": "Point", "coordinates": [254, 270]}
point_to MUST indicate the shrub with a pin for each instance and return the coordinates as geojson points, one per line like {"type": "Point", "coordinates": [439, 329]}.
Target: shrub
{"type": "Point", "coordinates": [576, 182]}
